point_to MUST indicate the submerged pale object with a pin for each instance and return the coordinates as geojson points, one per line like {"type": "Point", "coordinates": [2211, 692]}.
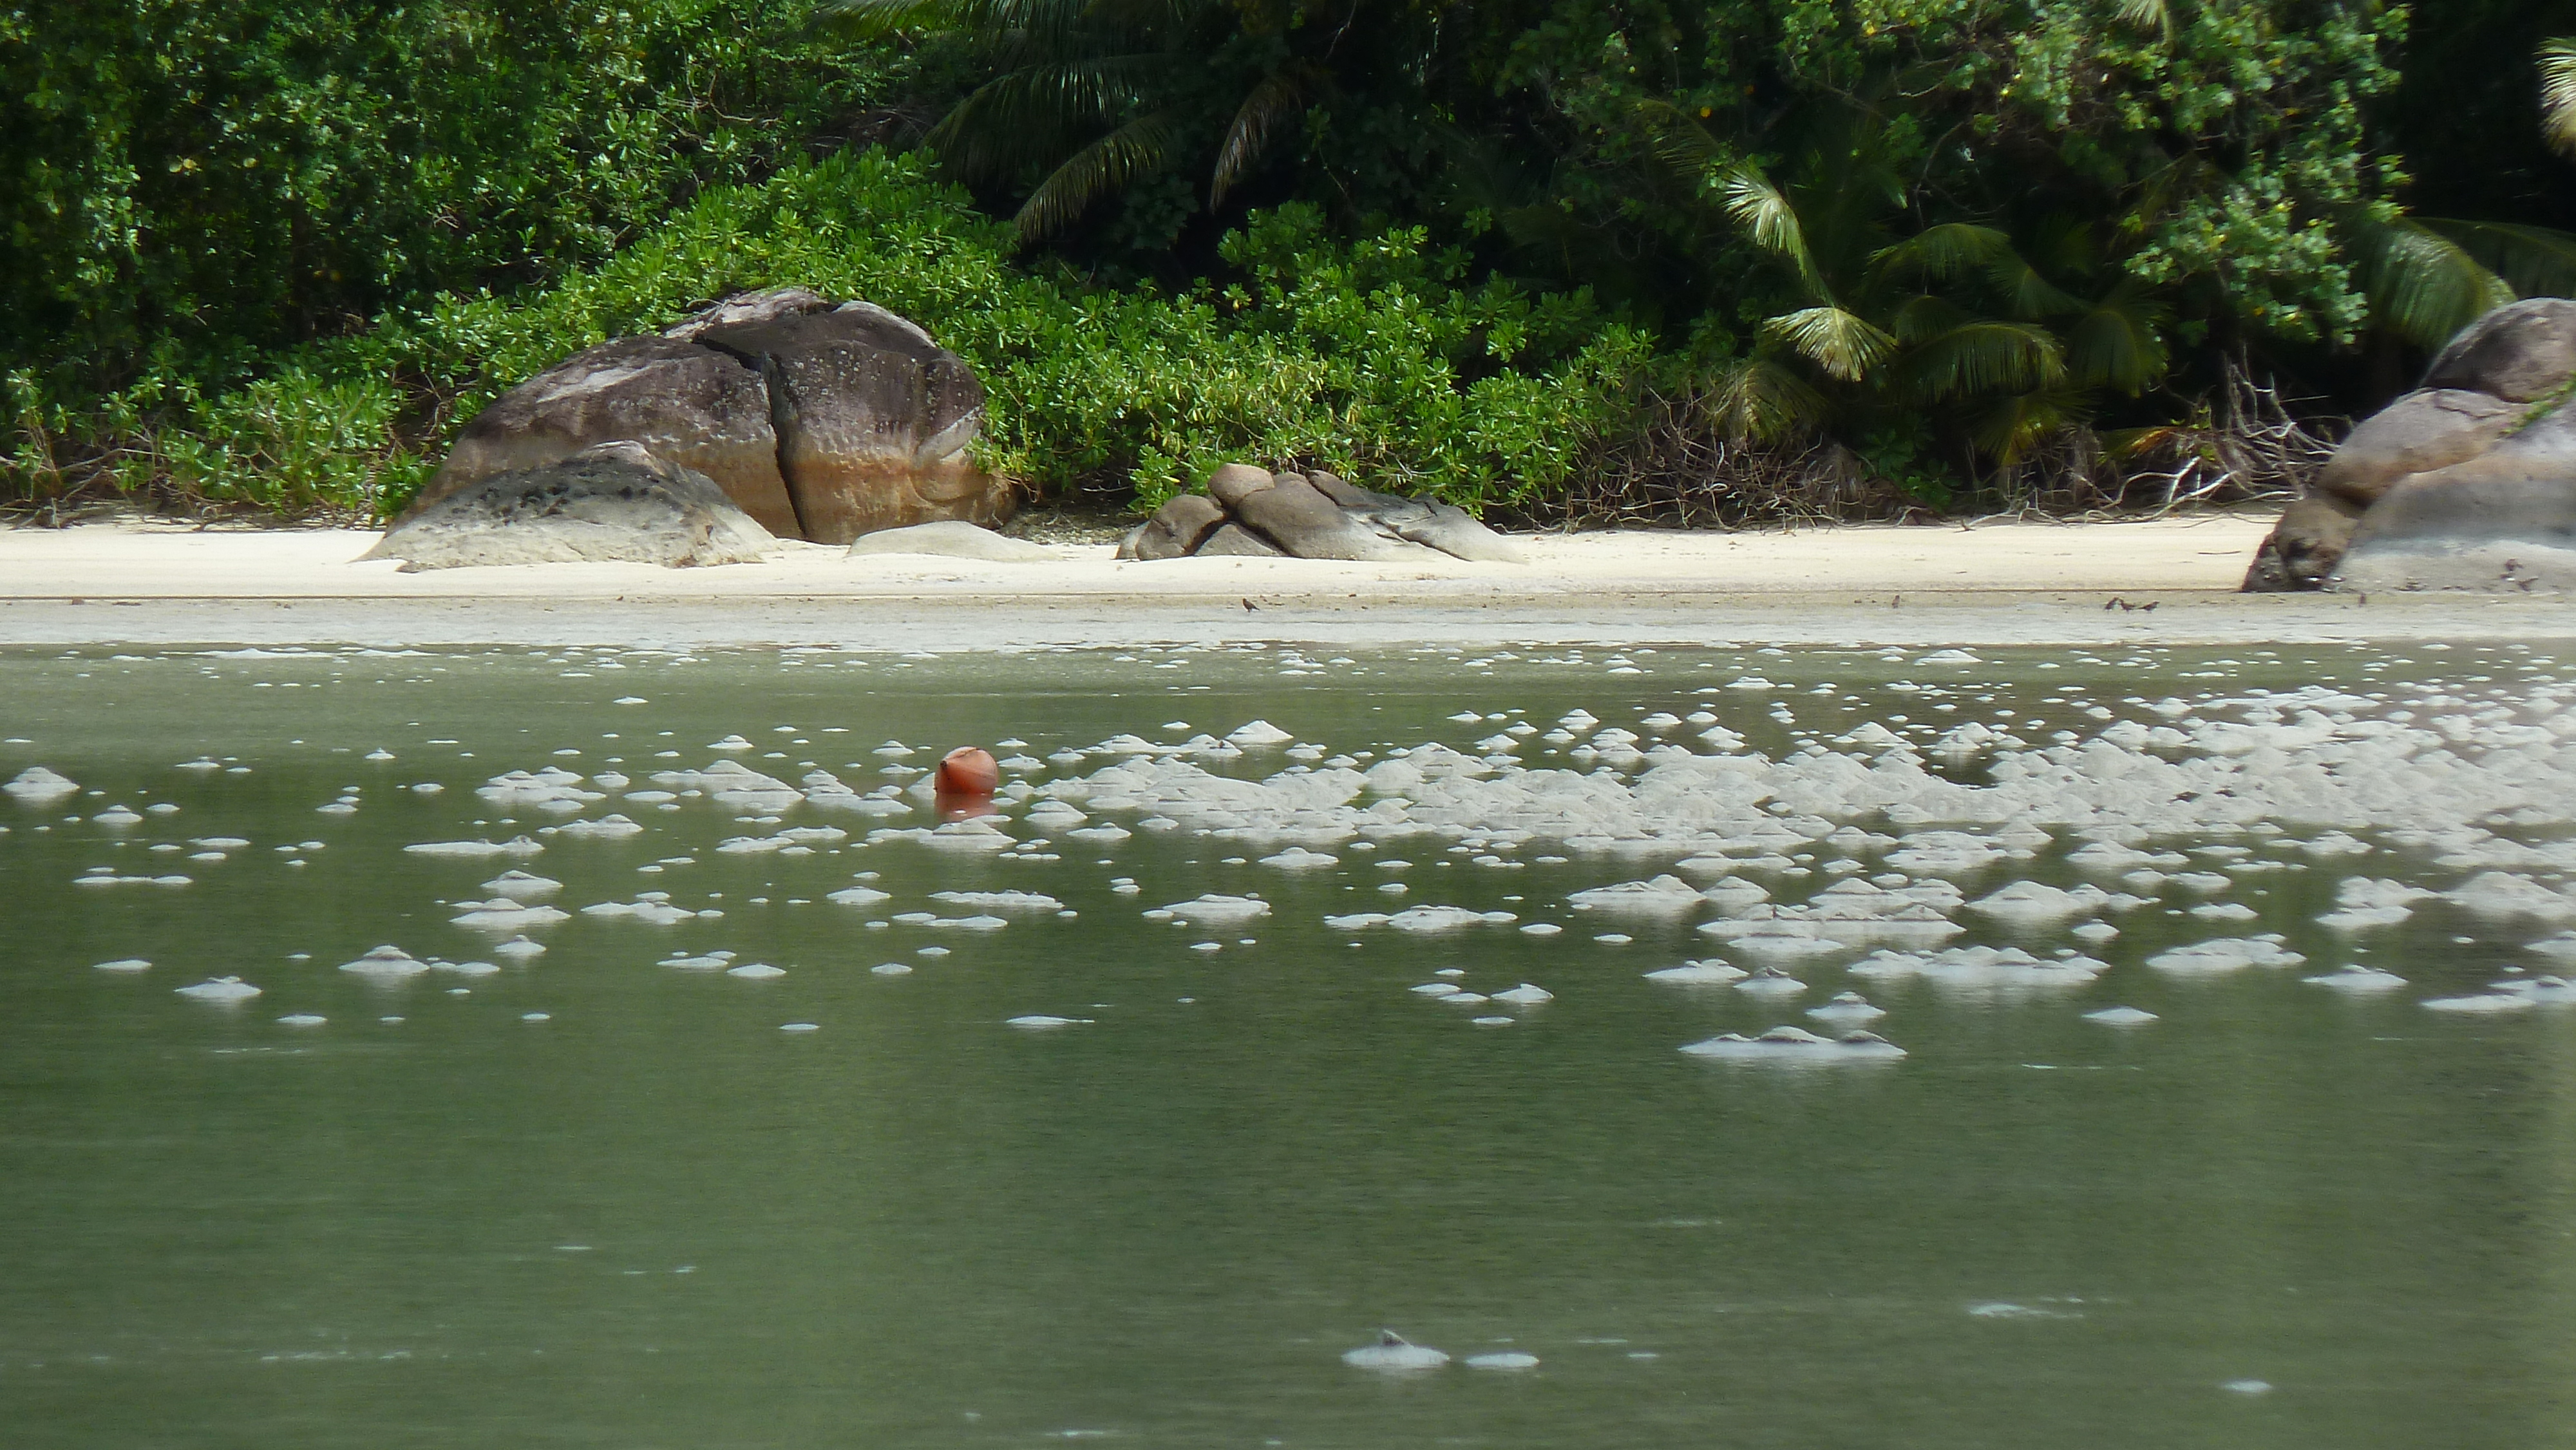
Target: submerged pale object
{"type": "Point", "coordinates": [1394, 1352]}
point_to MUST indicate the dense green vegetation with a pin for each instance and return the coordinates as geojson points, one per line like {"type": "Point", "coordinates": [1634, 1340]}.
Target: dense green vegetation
{"type": "Point", "coordinates": [276, 251]}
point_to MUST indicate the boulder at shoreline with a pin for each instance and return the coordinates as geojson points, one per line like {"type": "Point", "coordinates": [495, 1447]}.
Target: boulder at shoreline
{"type": "Point", "coordinates": [609, 503]}
{"type": "Point", "coordinates": [2468, 482]}
{"type": "Point", "coordinates": [821, 421]}
{"type": "Point", "coordinates": [1251, 512]}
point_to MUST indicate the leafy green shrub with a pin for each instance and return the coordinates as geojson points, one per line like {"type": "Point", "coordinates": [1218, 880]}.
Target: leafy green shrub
{"type": "Point", "coordinates": [1375, 358]}
{"type": "Point", "coordinates": [183, 184]}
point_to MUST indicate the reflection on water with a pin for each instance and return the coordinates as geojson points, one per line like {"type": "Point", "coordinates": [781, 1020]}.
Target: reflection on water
{"type": "Point", "coordinates": [752, 1106]}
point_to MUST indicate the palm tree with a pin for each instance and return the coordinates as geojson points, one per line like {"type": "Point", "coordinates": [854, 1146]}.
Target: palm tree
{"type": "Point", "coordinates": [1094, 96]}
{"type": "Point", "coordinates": [1883, 318]}
{"type": "Point", "coordinates": [2428, 277]}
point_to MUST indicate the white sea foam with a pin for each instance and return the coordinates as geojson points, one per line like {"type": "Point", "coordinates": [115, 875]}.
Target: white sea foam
{"type": "Point", "coordinates": [386, 964]}
{"type": "Point", "coordinates": [1796, 1045]}
{"type": "Point", "coordinates": [515, 846]}
{"type": "Point", "coordinates": [39, 785]}
{"type": "Point", "coordinates": [2225, 954]}
{"type": "Point", "coordinates": [2485, 1002]}
{"type": "Point", "coordinates": [1982, 967]}
{"type": "Point", "coordinates": [999, 900]}
{"type": "Point", "coordinates": [2354, 977]}
{"type": "Point", "coordinates": [1847, 1009]}
{"type": "Point", "coordinates": [1709, 972]}
{"type": "Point", "coordinates": [503, 914]}
{"type": "Point", "coordinates": [1419, 919]}
{"type": "Point", "coordinates": [2121, 1017]}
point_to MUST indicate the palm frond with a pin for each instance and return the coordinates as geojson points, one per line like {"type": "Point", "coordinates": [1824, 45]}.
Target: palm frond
{"type": "Point", "coordinates": [1147, 144]}
{"type": "Point", "coordinates": [1023, 117]}
{"type": "Point", "coordinates": [1926, 317]}
{"type": "Point", "coordinates": [1845, 344]}
{"type": "Point", "coordinates": [1984, 357]}
{"type": "Point", "coordinates": [1281, 97]}
{"type": "Point", "coordinates": [2119, 342]}
{"type": "Point", "coordinates": [2533, 261]}
{"type": "Point", "coordinates": [2007, 428]}
{"type": "Point", "coordinates": [2422, 285]}
{"type": "Point", "coordinates": [2155, 15]}
{"type": "Point", "coordinates": [1680, 139]}
{"type": "Point", "coordinates": [1767, 216]}
{"type": "Point", "coordinates": [2027, 294]}
{"type": "Point", "coordinates": [986, 19]}
{"type": "Point", "coordinates": [1755, 400]}
{"type": "Point", "coordinates": [1943, 252]}
{"type": "Point", "coordinates": [2558, 93]}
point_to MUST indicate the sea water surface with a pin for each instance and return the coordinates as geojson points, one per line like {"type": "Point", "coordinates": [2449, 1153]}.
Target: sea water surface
{"type": "Point", "coordinates": [628, 1192]}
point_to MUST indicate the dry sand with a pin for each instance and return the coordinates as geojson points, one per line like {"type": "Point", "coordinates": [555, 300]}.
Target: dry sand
{"type": "Point", "coordinates": [144, 582]}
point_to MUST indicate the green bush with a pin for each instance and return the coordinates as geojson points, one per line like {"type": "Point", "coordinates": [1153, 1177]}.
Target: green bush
{"type": "Point", "coordinates": [184, 184]}
{"type": "Point", "coordinates": [1377, 358]}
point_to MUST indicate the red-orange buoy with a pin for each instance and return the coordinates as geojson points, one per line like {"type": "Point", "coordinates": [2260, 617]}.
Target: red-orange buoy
{"type": "Point", "coordinates": [966, 778]}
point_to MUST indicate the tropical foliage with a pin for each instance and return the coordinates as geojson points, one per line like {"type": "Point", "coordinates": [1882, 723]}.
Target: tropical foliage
{"type": "Point", "coordinates": [279, 250]}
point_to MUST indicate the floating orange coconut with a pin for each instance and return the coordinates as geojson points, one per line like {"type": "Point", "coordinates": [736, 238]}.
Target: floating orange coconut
{"type": "Point", "coordinates": [966, 779]}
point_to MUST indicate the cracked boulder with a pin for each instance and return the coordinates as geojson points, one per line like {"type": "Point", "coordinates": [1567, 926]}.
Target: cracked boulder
{"type": "Point", "coordinates": [609, 503]}
{"type": "Point", "coordinates": [1250, 512]}
{"type": "Point", "coordinates": [2468, 482]}
{"type": "Point", "coordinates": [821, 421]}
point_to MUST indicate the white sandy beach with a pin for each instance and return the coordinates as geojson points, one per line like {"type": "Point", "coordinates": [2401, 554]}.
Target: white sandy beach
{"type": "Point", "coordinates": [153, 582]}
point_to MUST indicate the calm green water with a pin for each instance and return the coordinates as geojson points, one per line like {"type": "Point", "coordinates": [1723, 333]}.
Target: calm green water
{"type": "Point", "coordinates": [653, 1219]}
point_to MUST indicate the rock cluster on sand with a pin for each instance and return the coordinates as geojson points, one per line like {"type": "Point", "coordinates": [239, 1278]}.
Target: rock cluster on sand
{"type": "Point", "coordinates": [1249, 511]}
{"type": "Point", "coordinates": [611, 502]}
{"type": "Point", "coordinates": [821, 421]}
{"type": "Point", "coordinates": [2468, 482]}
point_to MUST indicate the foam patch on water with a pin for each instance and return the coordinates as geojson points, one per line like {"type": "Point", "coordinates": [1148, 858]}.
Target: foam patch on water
{"type": "Point", "coordinates": [1982, 966]}
{"type": "Point", "coordinates": [1796, 1045]}
{"type": "Point", "coordinates": [1420, 919]}
{"type": "Point", "coordinates": [1706, 973]}
{"type": "Point", "coordinates": [2354, 977]}
{"type": "Point", "coordinates": [2225, 954]}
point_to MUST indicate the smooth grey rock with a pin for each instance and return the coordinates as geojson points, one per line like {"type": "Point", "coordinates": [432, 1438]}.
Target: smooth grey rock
{"type": "Point", "coordinates": [951, 539]}
{"type": "Point", "coordinates": [1233, 539]}
{"type": "Point", "coordinates": [872, 420]}
{"type": "Point", "coordinates": [821, 421]}
{"type": "Point", "coordinates": [1174, 530]}
{"type": "Point", "coordinates": [2426, 429]}
{"type": "Point", "coordinates": [692, 406]}
{"type": "Point", "coordinates": [1232, 483]}
{"type": "Point", "coordinates": [612, 502]}
{"type": "Point", "coordinates": [2519, 352]}
{"type": "Point", "coordinates": [1306, 524]}
{"type": "Point", "coordinates": [1455, 532]}
{"type": "Point", "coordinates": [2304, 548]}
{"type": "Point", "coordinates": [743, 308]}
{"type": "Point", "coordinates": [1350, 495]}
{"type": "Point", "coordinates": [2460, 527]}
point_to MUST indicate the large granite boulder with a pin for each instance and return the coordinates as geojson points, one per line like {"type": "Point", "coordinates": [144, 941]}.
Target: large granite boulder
{"type": "Point", "coordinates": [609, 503]}
{"type": "Point", "coordinates": [821, 421]}
{"type": "Point", "coordinates": [1251, 512]}
{"type": "Point", "coordinates": [2469, 482]}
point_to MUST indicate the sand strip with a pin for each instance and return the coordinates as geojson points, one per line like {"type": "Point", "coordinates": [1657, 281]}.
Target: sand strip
{"type": "Point", "coordinates": [152, 583]}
